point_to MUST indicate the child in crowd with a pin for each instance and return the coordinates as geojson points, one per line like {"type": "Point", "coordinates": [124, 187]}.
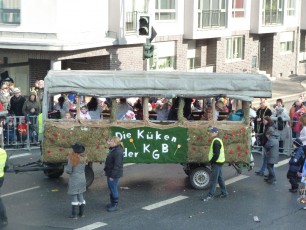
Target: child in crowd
{"type": "Point", "coordinates": [77, 181]}
{"type": "Point", "coordinates": [8, 131]}
{"type": "Point", "coordinates": [67, 116]}
{"type": "Point", "coordinates": [22, 130]}
{"type": "Point", "coordinates": [295, 164]}
{"type": "Point", "coordinates": [130, 115]}
{"type": "Point", "coordinates": [84, 114]}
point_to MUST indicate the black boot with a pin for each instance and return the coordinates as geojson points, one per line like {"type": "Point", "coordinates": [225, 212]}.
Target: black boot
{"type": "Point", "coordinates": [73, 212]}
{"type": "Point", "coordinates": [111, 202]}
{"type": "Point", "coordinates": [81, 210]}
{"type": "Point", "coordinates": [114, 206]}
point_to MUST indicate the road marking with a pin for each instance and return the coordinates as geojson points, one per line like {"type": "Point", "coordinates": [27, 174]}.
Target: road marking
{"type": "Point", "coordinates": [235, 179]}
{"type": "Point", "coordinates": [165, 202]}
{"type": "Point", "coordinates": [92, 226]}
{"type": "Point", "coordinates": [19, 155]}
{"type": "Point", "coordinates": [283, 162]}
{"type": "Point", "coordinates": [128, 164]}
{"type": "Point", "coordinates": [20, 191]}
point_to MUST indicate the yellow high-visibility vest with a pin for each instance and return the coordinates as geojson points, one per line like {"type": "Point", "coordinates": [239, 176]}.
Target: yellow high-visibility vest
{"type": "Point", "coordinates": [3, 157]}
{"type": "Point", "coordinates": [221, 158]}
{"type": "Point", "coordinates": [40, 123]}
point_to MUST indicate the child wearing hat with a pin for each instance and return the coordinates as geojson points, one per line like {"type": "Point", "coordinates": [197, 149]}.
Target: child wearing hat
{"type": "Point", "coordinates": [295, 164]}
{"type": "Point", "coordinates": [77, 181]}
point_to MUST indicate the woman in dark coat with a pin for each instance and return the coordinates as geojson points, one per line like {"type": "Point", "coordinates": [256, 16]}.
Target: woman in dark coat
{"type": "Point", "coordinates": [113, 171]}
{"type": "Point", "coordinates": [271, 149]}
{"type": "Point", "coordinates": [269, 125]}
{"type": "Point", "coordinates": [77, 181]}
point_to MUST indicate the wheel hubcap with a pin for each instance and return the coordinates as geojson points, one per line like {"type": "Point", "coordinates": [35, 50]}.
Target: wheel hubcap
{"type": "Point", "coordinates": [201, 178]}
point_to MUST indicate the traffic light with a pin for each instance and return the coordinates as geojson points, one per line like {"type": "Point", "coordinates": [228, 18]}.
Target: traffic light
{"type": "Point", "coordinates": [148, 50]}
{"type": "Point", "coordinates": [144, 28]}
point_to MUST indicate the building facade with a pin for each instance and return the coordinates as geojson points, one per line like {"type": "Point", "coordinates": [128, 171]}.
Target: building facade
{"type": "Point", "coordinates": [266, 36]}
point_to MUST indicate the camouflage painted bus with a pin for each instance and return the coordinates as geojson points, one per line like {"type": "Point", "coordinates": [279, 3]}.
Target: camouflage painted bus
{"type": "Point", "coordinates": [148, 140]}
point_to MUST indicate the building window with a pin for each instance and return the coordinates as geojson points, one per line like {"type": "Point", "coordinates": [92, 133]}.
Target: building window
{"type": "Point", "coordinates": [238, 8]}
{"type": "Point", "coordinates": [132, 9]}
{"type": "Point", "coordinates": [190, 63]}
{"type": "Point", "coordinates": [9, 11]}
{"type": "Point", "coordinates": [234, 48]}
{"type": "Point", "coordinates": [211, 13]}
{"type": "Point", "coordinates": [286, 47]}
{"type": "Point", "coordinates": [165, 10]}
{"type": "Point", "coordinates": [291, 7]}
{"type": "Point", "coordinates": [286, 40]}
{"type": "Point", "coordinates": [272, 12]}
{"type": "Point", "coordinates": [163, 63]}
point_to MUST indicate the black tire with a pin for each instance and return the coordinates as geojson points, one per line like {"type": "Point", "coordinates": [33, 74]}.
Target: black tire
{"type": "Point", "coordinates": [200, 178]}
{"type": "Point", "coordinates": [54, 173]}
{"type": "Point", "coordinates": [89, 174]}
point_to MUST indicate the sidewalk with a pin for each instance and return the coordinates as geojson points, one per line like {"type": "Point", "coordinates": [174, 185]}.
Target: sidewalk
{"type": "Point", "coordinates": [288, 89]}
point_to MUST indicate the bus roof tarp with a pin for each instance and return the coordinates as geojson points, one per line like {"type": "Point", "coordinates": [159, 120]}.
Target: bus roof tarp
{"type": "Point", "coordinates": [242, 86]}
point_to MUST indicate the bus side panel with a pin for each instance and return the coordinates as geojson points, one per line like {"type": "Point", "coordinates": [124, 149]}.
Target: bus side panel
{"type": "Point", "coordinates": [58, 138]}
{"type": "Point", "coordinates": [153, 145]}
{"type": "Point", "coordinates": [146, 144]}
{"type": "Point", "coordinates": [236, 139]}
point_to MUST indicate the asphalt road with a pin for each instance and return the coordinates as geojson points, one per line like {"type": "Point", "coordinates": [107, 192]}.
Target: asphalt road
{"type": "Point", "coordinates": [152, 196]}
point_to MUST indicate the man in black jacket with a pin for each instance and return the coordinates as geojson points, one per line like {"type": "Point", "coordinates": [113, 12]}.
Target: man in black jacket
{"type": "Point", "coordinates": [16, 103]}
{"type": "Point", "coordinates": [113, 171]}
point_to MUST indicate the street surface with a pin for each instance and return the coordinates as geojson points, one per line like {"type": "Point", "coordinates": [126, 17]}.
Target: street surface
{"type": "Point", "coordinates": [157, 196]}
{"type": "Point", "coordinates": [152, 196]}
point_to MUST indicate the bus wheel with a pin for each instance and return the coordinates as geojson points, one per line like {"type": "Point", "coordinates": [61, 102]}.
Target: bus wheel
{"type": "Point", "coordinates": [54, 173]}
{"type": "Point", "coordinates": [89, 174]}
{"type": "Point", "coordinates": [200, 177]}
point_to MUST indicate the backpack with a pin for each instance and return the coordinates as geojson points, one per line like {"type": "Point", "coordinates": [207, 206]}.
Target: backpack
{"type": "Point", "coordinates": [280, 123]}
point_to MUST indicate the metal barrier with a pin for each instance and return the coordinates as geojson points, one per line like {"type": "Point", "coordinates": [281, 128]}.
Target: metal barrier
{"type": "Point", "coordinates": [287, 139]}
{"type": "Point", "coordinates": [18, 132]}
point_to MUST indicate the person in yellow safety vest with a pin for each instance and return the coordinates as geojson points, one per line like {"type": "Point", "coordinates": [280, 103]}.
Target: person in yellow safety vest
{"type": "Point", "coordinates": [216, 158]}
{"type": "Point", "coordinates": [40, 126]}
{"type": "Point", "coordinates": [3, 157]}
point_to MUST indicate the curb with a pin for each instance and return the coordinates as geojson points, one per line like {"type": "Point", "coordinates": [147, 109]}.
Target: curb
{"type": "Point", "coordinates": [286, 98]}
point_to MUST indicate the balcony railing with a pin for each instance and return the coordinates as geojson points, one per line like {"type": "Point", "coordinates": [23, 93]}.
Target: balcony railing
{"type": "Point", "coordinates": [211, 18]}
{"type": "Point", "coordinates": [270, 17]}
{"type": "Point", "coordinates": [10, 16]}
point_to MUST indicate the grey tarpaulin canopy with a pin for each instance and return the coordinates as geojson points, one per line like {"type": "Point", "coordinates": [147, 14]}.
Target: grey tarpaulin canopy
{"type": "Point", "coordinates": [242, 86]}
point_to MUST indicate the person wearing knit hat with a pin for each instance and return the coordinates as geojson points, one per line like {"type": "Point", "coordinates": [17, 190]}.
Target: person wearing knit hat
{"type": "Point", "coordinates": [295, 163]}
{"type": "Point", "coordinates": [16, 103]}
